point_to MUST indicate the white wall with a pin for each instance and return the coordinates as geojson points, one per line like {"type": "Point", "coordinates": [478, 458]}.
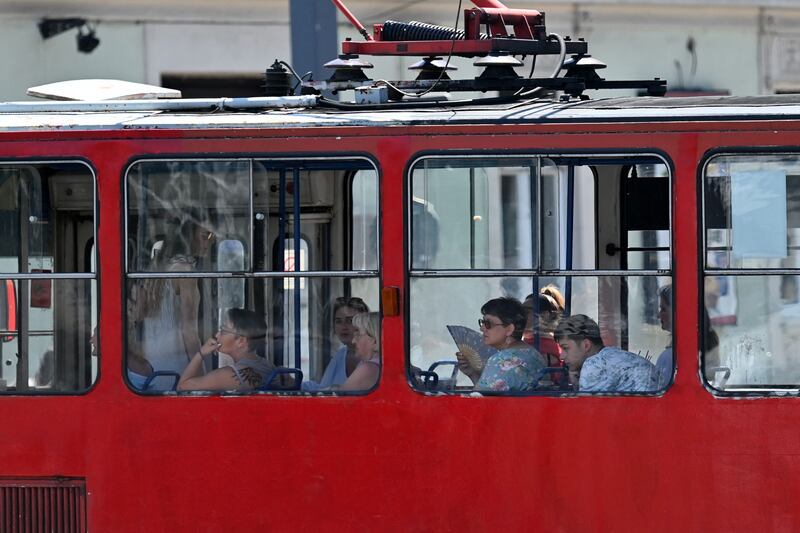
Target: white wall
{"type": "Point", "coordinates": [35, 61]}
{"type": "Point", "coordinates": [212, 48]}
{"type": "Point", "coordinates": [746, 47]}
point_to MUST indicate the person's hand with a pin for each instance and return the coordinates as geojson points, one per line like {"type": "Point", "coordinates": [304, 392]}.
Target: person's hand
{"type": "Point", "coordinates": [209, 347]}
{"type": "Point", "coordinates": [466, 367]}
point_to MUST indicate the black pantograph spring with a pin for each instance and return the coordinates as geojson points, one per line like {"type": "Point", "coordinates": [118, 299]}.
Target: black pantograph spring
{"type": "Point", "coordinates": [421, 31]}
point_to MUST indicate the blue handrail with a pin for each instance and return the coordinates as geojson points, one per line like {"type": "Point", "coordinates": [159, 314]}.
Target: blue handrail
{"type": "Point", "coordinates": [162, 373]}
{"type": "Point", "coordinates": [564, 371]}
{"type": "Point", "coordinates": [283, 371]}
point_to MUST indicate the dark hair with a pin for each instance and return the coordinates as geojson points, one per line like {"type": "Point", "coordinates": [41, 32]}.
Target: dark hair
{"type": "Point", "coordinates": [509, 311]}
{"type": "Point", "coordinates": [353, 302]}
{"type": "Point", "coordinates": [250, 325]}
{"type": "Point", "coordinates": [178, 241]}
{"type": "Point", "coordinates": [577, 328]}
{"type": "Point", "coordinates": [710, 337]}
{"type": "Point", "coordinates": [665, 293]}
{"type": "Point", "coordinates": [551, 307]}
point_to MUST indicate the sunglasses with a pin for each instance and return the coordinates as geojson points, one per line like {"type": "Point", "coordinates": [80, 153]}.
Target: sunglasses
{"type": "Point", "coordinates": [488, 324]}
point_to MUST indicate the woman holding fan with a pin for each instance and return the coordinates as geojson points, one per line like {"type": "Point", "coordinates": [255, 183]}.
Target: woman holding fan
{"type": "Point", "coordinates": [515, 365]}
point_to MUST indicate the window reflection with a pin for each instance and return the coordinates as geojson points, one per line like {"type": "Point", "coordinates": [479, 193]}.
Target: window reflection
{"type": "Point", "coordinates": [553, 217]}
{"type": "Point", "coordinates": [209, 241]}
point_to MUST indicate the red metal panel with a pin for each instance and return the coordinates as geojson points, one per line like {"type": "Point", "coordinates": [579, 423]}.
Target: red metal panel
{"type": "Point", "coordinates": [398, 460]}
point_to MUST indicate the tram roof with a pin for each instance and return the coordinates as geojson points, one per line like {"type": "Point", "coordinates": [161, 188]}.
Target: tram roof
{"type": "Point", "coordinates": [232, 113]}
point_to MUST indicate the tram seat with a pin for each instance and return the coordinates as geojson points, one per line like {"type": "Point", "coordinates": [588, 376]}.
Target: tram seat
{"type": "Point", "coordinates": [162, 373]}
{"type": "Point", "coordinates": [298, 380]}
{"type": "Point", "coordinates": [431, 381]}
{"type": "Point", "coordinates": [550, 371]}
{"type": "Point", "coordinates": [711, 374]}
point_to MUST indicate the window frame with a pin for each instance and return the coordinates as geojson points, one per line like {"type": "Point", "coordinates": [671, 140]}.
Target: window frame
{"type": "Point", "coordinates": [704, 271]}
{"type": "Point", "coordinates": [590, 157]}
{"type": "Point", "coordinates": [91, 276]}
{"type": "Point", "coordinates": [296, 161]}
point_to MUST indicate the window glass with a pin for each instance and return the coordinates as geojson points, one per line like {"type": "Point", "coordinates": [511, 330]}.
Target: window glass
{"type": "Point", "coordinates": [365, 223]}
{"type": "Point", "coordinates": [752, 212]}
{"type": "Point", "coordinates": [300, 239]}
{"type": "Point", "coordinates": [751, 218]}
{"type": "Point", "coordinates": [473, 214]}
{"type": "Point", "coordinates": [179, 210]}
{"type": "Point", "coordinates": [38, 203]}
{"type": "Point", "coordinates": [47, 323]}
{"type": "Point", "coordinates": [752, 347]}
{"type": "Point", "coordinates": [558, 218]}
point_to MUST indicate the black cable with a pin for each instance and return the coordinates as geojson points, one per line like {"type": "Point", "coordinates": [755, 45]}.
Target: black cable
{"type": "Point", "coordinates": [335, 104]}
{"type": "Point", "coordinates": [446, 64]}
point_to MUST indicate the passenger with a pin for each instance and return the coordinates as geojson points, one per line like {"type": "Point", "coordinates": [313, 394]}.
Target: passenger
{"type": "Point", "coordinates": [344, 360]}
{"type": "Point", "coordinates": [367, 348]}
{"type": "Point", "coordinates": [515, 366]}
{"type": "Point", "coordinates": [601, 369]}
{"type": "Point", "coordinates": [241, 336]}
{"type": "Point", "coordinates": [138, 367]}
{"type": "Point", "coordinates": [540, 327]}
{"type": "Point", "coordinates": [710, 350]}
{"type": "Point", "coordinates": [170, 307]}
{"type": "Point", "coordinates": [665, 362]}
{"type": "Point", "coordinates": [44, 375]}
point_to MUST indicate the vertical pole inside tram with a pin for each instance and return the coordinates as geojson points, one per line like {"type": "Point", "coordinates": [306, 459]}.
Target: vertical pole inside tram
{"type": "Point", "coordinates": [296, 284]}
{"type": "Point", "coordinates": [537, 231]}
{"type": "Point", "coordinates": [23, 293]}
{"type": "Point", "coordinates": [471, 217]}
{"type": "Point", "coordinates": [570, 232]}
{"type": "Point", "coordinates": [281, 260]}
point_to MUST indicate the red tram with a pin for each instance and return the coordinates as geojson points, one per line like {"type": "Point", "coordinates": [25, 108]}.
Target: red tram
{"type": "Point", "coordinates": [423, 211]}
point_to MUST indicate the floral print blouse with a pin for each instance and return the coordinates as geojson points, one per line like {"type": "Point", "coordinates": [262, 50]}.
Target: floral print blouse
{"type": "Point", "coordinates": [511, 370]}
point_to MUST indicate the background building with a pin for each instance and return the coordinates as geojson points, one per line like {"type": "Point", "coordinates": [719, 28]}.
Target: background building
{"type": "Point", "coordinates": [206, 47]}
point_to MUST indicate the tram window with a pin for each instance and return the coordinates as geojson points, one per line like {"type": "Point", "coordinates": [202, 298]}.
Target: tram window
{"type": "Point", "coordinates": [365, 210]}
{"type": "Point", "coordinates": [48, 294]}
{"type": "Point", "coordinates": [186, 206]}
{"type": "Point", "coordinates": [486, 228]}
{"type": "Point", "coordinates": [286, 240]}
{"type": "Point", "coordinates": [459, 207]}
{"type": "Point", "coordinates": [751, 214]}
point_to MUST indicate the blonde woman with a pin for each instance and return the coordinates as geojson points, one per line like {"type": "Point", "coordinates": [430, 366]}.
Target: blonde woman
{"type": "Point", "coordinates": [367, 347]}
